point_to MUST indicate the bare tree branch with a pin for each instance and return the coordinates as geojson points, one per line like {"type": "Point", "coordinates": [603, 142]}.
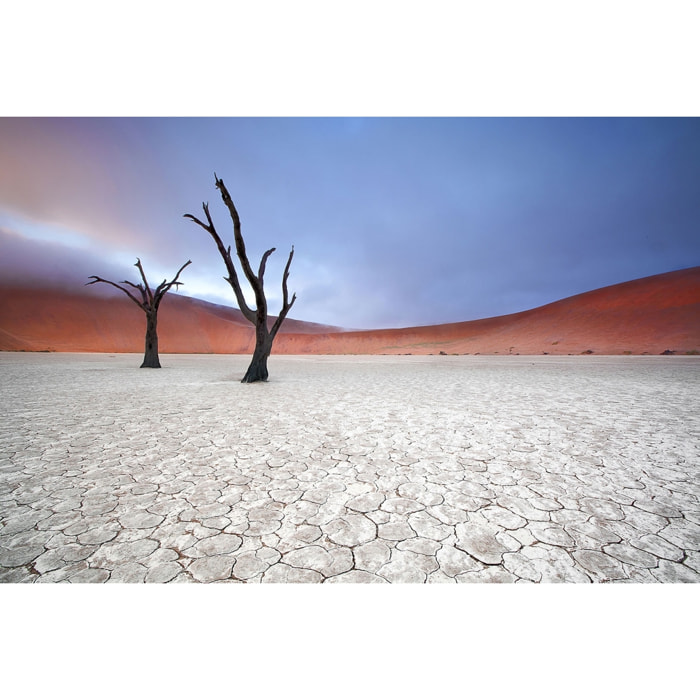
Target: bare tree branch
{"type": "Point", "coordinates": [141, 291]}
{"type": "Point", "coordinates": [239, 242]}
{"type": "Point", "coordinates": [95, 278]}
{"type": "Point", "coordinates": [237, 237]}
{"type": "Point", "coordinates": [165, 286]}
{"type": "Point", "coordinates": [146, 286]}
{"type": "Point", "coordinates": [286, 304]}
{"type": "Point", "coordinates": [232, 278]}
{"type": "Point", "coordinates": [263, 262]}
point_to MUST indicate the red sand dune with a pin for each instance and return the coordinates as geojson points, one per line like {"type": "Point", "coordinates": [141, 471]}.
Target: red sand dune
{"type": "Point", "coordinates": [649, 315]}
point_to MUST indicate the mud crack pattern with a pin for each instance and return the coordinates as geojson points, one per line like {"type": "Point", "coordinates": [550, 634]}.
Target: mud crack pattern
{"type": "Point", "coordinates": [350, 469]}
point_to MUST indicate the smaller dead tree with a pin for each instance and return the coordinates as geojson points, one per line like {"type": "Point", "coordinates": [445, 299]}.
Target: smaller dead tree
{"type": "Point", "coordinates": [264, 334]}
{"type": "Point", "coordinates": [149, 303]}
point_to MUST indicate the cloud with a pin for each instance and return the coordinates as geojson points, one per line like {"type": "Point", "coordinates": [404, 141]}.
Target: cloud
{"type": "Point", "coordinates": [44, 263]}
{"type": "Point", "coordinates": [99, 177]}
{"type": "Point", "coordinates": [41, 263]}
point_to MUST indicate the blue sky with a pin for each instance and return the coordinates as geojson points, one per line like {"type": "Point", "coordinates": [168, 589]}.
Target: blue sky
{"type": "Point", "coordinates": [395, 221]}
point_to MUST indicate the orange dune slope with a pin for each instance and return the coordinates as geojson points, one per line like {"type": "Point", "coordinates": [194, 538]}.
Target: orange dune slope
{"type": "Point", "coordinates": [649, 315]}
{"type": "Point", "coordinates": [81, 320]}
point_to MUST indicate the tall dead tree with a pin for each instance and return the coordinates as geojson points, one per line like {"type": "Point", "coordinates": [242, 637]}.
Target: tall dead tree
{"type": "Point", "coordinates": [264, 334]}
{"type": "Point", "coordinates": [149, 303]}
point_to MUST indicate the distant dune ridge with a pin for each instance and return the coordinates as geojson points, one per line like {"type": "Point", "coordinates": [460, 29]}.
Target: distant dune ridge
{"type": "Point", "coordinates": [650, 315]}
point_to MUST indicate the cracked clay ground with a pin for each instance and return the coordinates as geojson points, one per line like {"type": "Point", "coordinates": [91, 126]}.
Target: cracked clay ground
{"type": "Point", "coordinates": [350, 469]}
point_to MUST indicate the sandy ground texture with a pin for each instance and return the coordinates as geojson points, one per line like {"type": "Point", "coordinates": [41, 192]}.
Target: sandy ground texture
{"type": "Point", "coordinates": [350, 469]}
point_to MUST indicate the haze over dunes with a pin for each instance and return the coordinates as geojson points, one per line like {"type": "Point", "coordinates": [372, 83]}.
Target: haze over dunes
{"type": "Point", "coordinates": [649, 315]}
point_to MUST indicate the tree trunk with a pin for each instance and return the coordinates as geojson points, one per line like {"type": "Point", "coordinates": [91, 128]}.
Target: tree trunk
{"type": "Point", "coordinates": [150, 357]}
{"type": "Point", "coordinates": [257, 370]}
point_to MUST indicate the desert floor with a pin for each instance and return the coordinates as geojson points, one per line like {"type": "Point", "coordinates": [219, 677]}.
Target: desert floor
{"type": "Point", "coordinates": [349, 469]}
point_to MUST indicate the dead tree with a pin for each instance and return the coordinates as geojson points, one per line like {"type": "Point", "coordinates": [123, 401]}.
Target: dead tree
{"type": "Point", "coordinates": [264, 335]}
{"type": "Point", "coordinates": [149, 303]}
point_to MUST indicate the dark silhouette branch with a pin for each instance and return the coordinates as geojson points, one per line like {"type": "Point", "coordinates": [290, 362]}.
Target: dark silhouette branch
{"type": "Point", "coordinates": [225, 253]}
{"type": "Point", "coordinates": [286, 304]}
{"type": "Point", "coordinates": [146, 286]}
{"type": "Point", "coordinates": [237, 236]}
{"type": "Point", "coordinates": [144, 303]}
{"type": "Point", "coordinates": [95, 279]}
{"type": "Point", "coordinates": [164, 287]}
{"type": "Point", "coordinates": [263, 263]}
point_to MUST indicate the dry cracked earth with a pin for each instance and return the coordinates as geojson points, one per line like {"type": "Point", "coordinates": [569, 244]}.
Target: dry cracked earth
{"type": "Point", "coordinates": [350, 470]}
